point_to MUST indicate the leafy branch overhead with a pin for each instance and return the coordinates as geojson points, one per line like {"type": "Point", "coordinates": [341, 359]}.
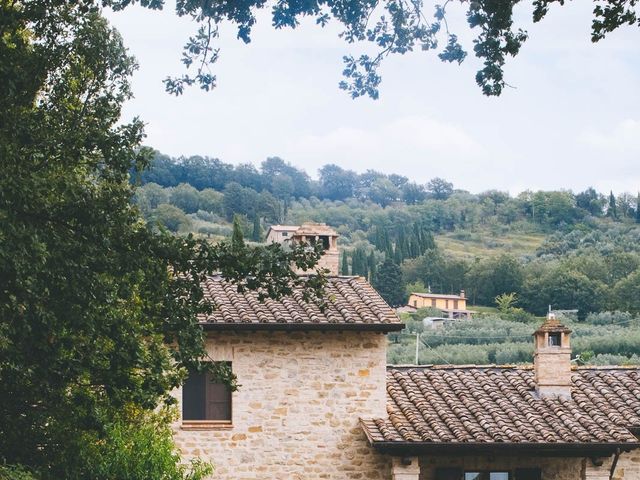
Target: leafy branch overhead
{"type": "Point", "coordinates": [391, 26]}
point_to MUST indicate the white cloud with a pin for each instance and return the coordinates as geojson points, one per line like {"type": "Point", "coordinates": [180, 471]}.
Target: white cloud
{"type": "Point", "coordinates": [623, 137]}
{"type": "Point", "coordinates": [404, 145]}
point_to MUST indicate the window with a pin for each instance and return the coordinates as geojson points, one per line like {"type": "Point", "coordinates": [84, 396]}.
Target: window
{"type": "Point", "coordinates": [554, 339]}
{"type": "Point", "coordinates": [205, 399]}
{"type": "Point", "coordinates": [528, 474]}
{"type": "Point", "coordinates": [285, 234]}
{"type": "Point", "coordinates": [487, 475]}
{"type": "Point", "coordinates": [457, 474]}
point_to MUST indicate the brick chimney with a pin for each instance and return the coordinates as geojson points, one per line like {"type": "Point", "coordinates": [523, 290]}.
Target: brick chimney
{"type": "Point", "coordinates": [321, 232]}
{"type": "Point", "coordinates": [552, 359]}
{"type": "Point", "coordinates": [310, 233]}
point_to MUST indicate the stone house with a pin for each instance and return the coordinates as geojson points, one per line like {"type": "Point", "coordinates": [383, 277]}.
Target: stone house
{"type": "Point", "coordinates": [317, 401]}
{"type": "Point", "coordinates": [306, 378]}
{"type": "Point", "coordinates": [552, 421]}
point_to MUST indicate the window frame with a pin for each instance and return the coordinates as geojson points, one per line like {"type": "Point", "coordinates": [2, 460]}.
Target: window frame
{"type": "Point", "coordinates": [460, 473]}
{"type": "Point", "coordinates": [207, 424]}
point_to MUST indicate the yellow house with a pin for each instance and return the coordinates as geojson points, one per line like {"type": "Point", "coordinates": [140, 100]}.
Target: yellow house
{"type": "Point", "coordinates": [455, 306]}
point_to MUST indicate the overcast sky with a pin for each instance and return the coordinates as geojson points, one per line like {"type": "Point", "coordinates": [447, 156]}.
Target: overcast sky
{"type": "Point", "coordinates": [572, 120]}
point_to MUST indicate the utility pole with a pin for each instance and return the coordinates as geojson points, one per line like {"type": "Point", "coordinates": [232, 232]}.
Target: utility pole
{"type": "Point", "coordinates": [417, 347]}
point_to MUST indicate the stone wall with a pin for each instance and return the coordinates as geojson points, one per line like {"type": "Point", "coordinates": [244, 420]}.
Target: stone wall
{"type": "Point", "coordinates": [628, 467]}
{"type": "Point", "coordinates": [296, 413]}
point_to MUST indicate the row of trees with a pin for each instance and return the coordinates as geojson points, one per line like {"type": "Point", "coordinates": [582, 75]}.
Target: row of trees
{"type": "Point", "coordinates": [585, 280]}
{"type": "Point", "coordinates": [284, 183]}
{"type": "Point", "coordinates": [493, 339]}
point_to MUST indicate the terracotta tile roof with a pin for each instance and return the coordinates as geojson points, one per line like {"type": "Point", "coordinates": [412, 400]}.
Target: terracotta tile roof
{"type": "Point", "coordinates": [489, 405]}
{"type": "Point", "coordinates": [352, 304]}
{"type": "Point", "coordinates": [439, 295]}
{"type": "Point", "coordinates": [315, 229]}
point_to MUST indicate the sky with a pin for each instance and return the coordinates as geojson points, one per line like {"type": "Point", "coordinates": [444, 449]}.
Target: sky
{"type": "Point", "coordinates": [571, 120]}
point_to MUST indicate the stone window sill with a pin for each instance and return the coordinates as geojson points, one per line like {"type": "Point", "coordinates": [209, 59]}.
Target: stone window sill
{"type": "Point", "coordinates": [206, 425]}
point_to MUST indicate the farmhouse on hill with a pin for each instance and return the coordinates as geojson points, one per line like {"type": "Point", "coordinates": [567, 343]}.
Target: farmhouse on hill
{"type": "Point", "coordinates": [317, 401]}
{"type": "Point", "coordinates": [453, 306]}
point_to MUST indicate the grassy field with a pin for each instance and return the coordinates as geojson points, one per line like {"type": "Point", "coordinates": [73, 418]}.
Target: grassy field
{"type": "Point", "coordinates": [485, 243]}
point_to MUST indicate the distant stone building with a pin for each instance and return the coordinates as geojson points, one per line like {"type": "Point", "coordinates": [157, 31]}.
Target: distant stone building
{"type": "Point", "coordinates": [454, 306]}
{"type": "Point", "coordinates": [311, 233]}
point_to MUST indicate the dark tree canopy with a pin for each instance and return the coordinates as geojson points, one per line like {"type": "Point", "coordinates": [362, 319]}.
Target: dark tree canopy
{"type": "Point", "coordinates": [388, 282]}
{"type": "Point", "coordinates": [393, 26]}
{"type": "Point", "coordinates": [98, 308]}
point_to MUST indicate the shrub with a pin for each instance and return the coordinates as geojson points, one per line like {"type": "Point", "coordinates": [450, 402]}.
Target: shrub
{"type": "Point", "coordinates": [608, 318]}
{"type": "Point", "coordinates": [15, 472]}
{"type": "Point", "coordinates": [135, 446]}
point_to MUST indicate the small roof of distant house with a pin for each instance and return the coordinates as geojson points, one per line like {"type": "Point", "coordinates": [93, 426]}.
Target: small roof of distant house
{"type": "Point", "coordinates": [305, 229]}
{"type": "Point", "coordinates": [316, 229]}
{"type": "Point", "coordinates": [438, 295]}
{"type": "Point", "coordinates": [452, 408]}
{"type": "Point", "coordinates": [284, 228]}
{"type": "Point", "coordinates": [352, 304]}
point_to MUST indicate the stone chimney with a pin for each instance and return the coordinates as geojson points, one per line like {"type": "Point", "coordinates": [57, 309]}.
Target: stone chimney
{"type": "Point", "coordinates": [552, 359]}
{"type": "Point", "coordinates": [320, 232]}
{"type": "Point", "coordinates": [462, 294]}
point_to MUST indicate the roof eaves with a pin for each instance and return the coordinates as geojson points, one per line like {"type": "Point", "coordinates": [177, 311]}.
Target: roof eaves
{"type": "Point", "coordinates": [291, 327]}
{"type": "Point", "coordinates": [549, 449]}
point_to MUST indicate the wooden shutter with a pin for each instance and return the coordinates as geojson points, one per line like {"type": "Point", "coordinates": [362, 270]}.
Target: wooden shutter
{"type": "Point", "coordinates": [193, 397]}
{"type": "Point", "coordinates": [218, 398]}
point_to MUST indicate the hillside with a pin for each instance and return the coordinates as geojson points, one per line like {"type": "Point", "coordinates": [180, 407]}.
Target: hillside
{"type": "Point", "coordinates": [569, 250]}
{"type": "Point", "coordinates": [484, 242]}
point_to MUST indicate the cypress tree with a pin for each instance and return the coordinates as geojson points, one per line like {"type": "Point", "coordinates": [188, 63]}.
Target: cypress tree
{"type": "Point", "coordinates": [365, 264]}
{"type": "Point", "coordinates": [355, 262]}
{"type": "Point", "coordinates": [237, 239]}
{"type": "Point", "coordinates": [638, 209]}
{"type": "Point", "coordinates": [344, 269]}
{"type": "Point", "coordinates": [401, 245]}
{"type": "Point", "coordinates": [372, 266]}
{"type": "Point", "coordinates": [256, 235]}
{"type": "Point", "coordinates": [397, 254]}
{"type": "Point", "coordinates": [389, 284]}
{"type": "Point", "coordinates": [386, 246]}
{"type": "Point", "coordinates": [612, 211]}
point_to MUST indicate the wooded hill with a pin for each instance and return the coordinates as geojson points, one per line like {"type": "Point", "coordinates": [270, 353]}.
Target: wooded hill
{"type": "Point", "coordinates": [560, 248]}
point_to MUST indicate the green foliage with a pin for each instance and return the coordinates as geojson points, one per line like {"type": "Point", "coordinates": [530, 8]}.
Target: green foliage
{"type": "Point", "coordinates": [171, 217]}
{"type": "Point", "coordinates": [98, 309]}
{"type": "Point", "coordinates": [132, 446]}
{"type": "Point", "coordinates": [493, 277]}
{"type": "Point", "coordinates": [506, 302]}
{"type": "Point", "coordinates": [344, 268]}
{"type": "Point", "coordinates": [626, 293]}
{"type": "Point", "coordinates": [564, 289]}
{"type": "Point", "coordinates": [15, 472]}
{"type": "Point", "coordinates": [256, 234]}
{"type": "Point", "coordinates": [499, 339]}
{"type": "Point", "coordinates": [237, 239]}
{"type": "Point", "coordinates": [388, 282]}
{"type": "Point", "coordinates": [185, 197]}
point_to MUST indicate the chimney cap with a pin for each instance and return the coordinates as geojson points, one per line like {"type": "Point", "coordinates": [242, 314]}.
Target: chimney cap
{"type": "Point", "coordinates": [552, 325]}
